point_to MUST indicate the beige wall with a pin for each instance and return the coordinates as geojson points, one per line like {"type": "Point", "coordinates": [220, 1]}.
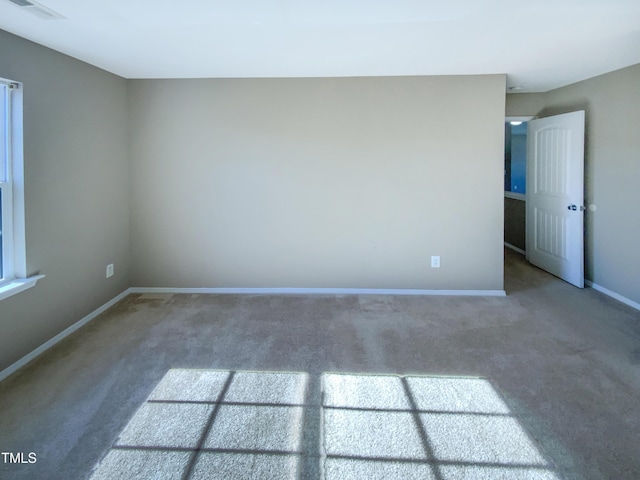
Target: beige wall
{"type": "Point", "coordinates": [612, 170]}
{"type": "Point", "coordinates": [76, 192]}
{"type": "Point", "coordinates": [248, 183]}
{"type": "Point", "coordinates": [351, 182]}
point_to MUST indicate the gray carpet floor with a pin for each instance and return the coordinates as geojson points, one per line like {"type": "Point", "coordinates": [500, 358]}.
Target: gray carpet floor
{"type": "Point", "coordinates": [542, 384]}
{"type": "Point", "coordinates": [204, 424]}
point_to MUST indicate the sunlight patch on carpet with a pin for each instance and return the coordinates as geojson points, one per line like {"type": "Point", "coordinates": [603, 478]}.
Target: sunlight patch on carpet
{"type": "Point", "coordinates": [199, 424]}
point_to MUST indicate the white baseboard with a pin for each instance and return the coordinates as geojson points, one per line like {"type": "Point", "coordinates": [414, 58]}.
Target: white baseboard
{"type": "Point", "coordinates": [251, 291]}
{"type": "Point", "coordinates": [617, 296]}
{"type": "Point", "coordinates": [513, 247]}
{"type": "Point", "coordinates": [279, 291]}
{"type": "Point", "coordinates": [319, 291]}
{"type": "Point", "coordinates": [65, 333]}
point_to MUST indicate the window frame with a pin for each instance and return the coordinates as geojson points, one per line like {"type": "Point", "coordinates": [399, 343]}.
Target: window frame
{"type": "Point", "coordinates": [6, 184]}
{"type": "Point", "coordinates": [13, 278]}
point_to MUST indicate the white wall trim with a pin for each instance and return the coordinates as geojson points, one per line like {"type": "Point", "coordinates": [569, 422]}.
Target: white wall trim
{"type": "Point", "coordinates": [609, 293]}
{"type": "Point", "coordinates": [18, 285]}
{"type": "Point", "coordinates": [65, 333]}
{"type": "Point", "coordinates": [280, 291]}
{"type": "Point", "coordinates": [319, 291]}
{"type": "Point", "coordinates": [238, 291]}
{"type": "Point", "coordinates": [515, 196]}
{"type": "Point", "coordinates": [513, 247]}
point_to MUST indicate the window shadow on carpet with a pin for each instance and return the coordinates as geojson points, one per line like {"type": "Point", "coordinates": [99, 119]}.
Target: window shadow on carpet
{"type": "Point", "coordinates": [209, 424]}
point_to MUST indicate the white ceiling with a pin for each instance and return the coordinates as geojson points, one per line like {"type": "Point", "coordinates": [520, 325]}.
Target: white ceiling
{"type": "Point", "coordinates": [540, 44]}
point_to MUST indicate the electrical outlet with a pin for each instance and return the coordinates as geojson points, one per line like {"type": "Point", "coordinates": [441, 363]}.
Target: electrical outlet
{"type": "Point", "coordinates": [110, 270]}
{"type": "Point", "coordinates": [435, 261]}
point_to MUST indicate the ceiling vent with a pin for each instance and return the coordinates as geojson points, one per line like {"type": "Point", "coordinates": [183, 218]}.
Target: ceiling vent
{"type": "Point", "coordinates": [36, 9]}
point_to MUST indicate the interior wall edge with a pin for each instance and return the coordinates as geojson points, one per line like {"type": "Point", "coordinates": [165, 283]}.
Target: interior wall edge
{"type": "Point", "coordinates": [14, 367]}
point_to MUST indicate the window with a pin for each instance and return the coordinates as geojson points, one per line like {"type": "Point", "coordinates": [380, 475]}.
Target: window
{"type": "Point", "coordinates": [12, 239]}
{"type": "Point", "coordinates": [6, 184]}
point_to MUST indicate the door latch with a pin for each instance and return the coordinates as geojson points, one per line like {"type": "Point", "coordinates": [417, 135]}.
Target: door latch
{"type": "Point", "coordinates": [575, 207]}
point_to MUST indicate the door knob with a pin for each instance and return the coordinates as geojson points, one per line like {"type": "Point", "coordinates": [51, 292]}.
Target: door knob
{"type": "Point", "coordinates": [575, 207]}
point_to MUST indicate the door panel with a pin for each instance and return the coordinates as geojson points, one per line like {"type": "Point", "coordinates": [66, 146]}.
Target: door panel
{"type": "Point", "coordinates": [555, 184]}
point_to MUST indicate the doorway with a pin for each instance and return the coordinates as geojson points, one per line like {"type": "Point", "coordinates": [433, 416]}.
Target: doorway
{"type": "Point", "coordinates": [515, 168]}
{"type": "Point", "coordinates": [544, 192]}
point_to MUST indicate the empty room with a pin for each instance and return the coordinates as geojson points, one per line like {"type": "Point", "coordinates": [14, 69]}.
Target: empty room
{"type": "Point", "coordinates": [319, 240]}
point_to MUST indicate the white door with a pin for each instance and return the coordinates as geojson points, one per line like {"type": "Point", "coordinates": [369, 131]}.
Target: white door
{"type": "Point", "coordinates": [555, 195]}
